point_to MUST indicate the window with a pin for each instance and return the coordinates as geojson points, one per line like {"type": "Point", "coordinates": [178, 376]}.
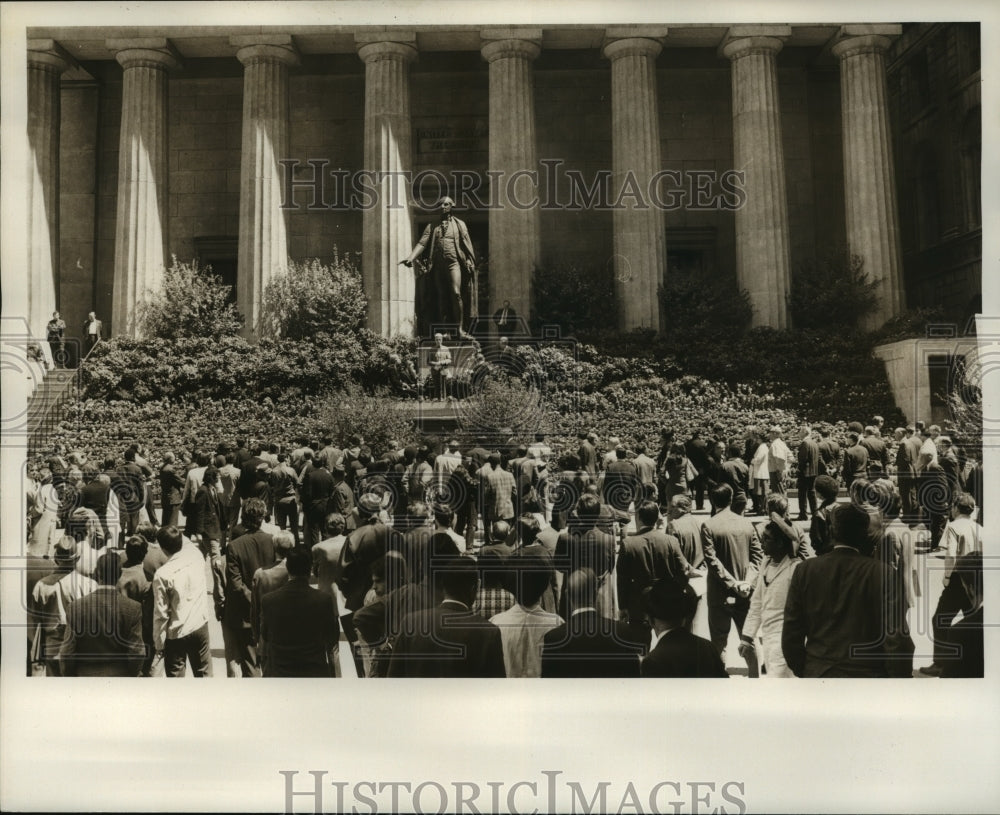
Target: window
{"type": "Point", "coordinates": [972, 157]}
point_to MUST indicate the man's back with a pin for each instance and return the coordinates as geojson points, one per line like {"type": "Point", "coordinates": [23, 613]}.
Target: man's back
{"type": "Point", "coordinates": [498, 486]}
{"type": "Point", "coordinates": [590, 646]}
{"type": "Point", "coordinates": [687, 530]}
{"type": "Point", "coordinates": [835, 605]}
{"type": "Point", "coordinates": [732, 548]}
{"type": "Point", "coordinates": [103, 635]}
{"type": "Point", "coordinates": [808, 456]}
{"type": "Point", "coordinates": [585, 547]}
{"type": "Point", "coordinates": [447, 641]}
{"type": "Point", "coordinates": [245, 556]}
{"type": "Point", "coordinates": [647, 555]}
{"type": "Point", "coordinates": [680, 654]}
{"type": "Point", "coordinates": [299, 627]}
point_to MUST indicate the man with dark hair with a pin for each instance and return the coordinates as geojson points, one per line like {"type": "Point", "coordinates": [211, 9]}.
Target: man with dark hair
{"type": "Point", "coordinates": [855, 461]}
{"type": "Point", "coordinates": [835, 614]}
{"type": "Point", "coordinates": [907, 456]}
{"type": "Point", "coordinates": [171, 490]}
{"type": "Point", "coordinates": [326, 553]}
{"type": "Point", "coordinates": [134, 584]}
{"type": "Point", "coordinates": [284, 498]}
{"type": "Point", "coordinates": [524, 625]}
{"type": "Point", "coordinates": [317, 487]}
{"type": "Point", "coordinates": [736, 474]}
{"type": "Point", "coordinates": [647, 554]}
{"type": "Point", "coordinates": [696, 450]}
{"type": "Point", "coordinates": [251, 551]}
{"type": "Point", "coordinates": [448, 640]}
{"type": "Point", "coordinates": [733, 554]}
{"type": "Point", "coordinates": [588, 645]}
{"type": "Point", "coordinates": [299, 629]}
{"type": "Point", "coordinates": [677, 653]}
{"type": "Point", "coordinates": [342, 498]}
{"type": "Point", "coordinates": [588, 454]}
{"type": "Point", "coordinates": [366, 544]}
{"type": "Point", "coordinates": [103, 629]}
{"type": "Point", "coordinates": [809, 465]}
{"type": "Point", "coordinates": [646, 468]}
{"type": "Point", "coordinates": [878, 452]}
{"type": "Point", "coordinates": [621, 482]}
{"type": "Point", "coordinates": [180, 607]}
{"type": "Point", "coordinates": [827, 488]}
{"type": "Point", "coordinates": [583, 544]}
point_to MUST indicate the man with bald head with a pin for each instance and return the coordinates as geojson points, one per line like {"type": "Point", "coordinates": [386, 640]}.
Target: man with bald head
{"type": "Point", "coordinates": [452, 266]}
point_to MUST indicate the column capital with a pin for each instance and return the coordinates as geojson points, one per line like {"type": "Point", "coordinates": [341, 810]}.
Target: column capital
{"type": "Point", "coordinates": [631, 47]}
{"type": "Point", "coordinates": [850, 45]}
{"type": "Point", "coordinates": [265, 52]}
{"type": "Point", "coordinates": [378, 50]}
{"type": "Point", "coordinates": [48, 55]}
{"type": "Point", "coordinates": [493, 50]}
{"type": "Point", "coordinates": [147, 52]}
{"type": "Point", "coordinates": [743, 40]}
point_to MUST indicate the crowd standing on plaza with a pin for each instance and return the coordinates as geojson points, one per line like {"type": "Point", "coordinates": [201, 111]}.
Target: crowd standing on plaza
{"type": "Point", "coordinates": [465, 561]}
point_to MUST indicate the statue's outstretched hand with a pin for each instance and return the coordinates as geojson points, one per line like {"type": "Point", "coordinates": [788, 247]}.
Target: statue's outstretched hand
{"type": "Point", "coordinates": [406, 262]}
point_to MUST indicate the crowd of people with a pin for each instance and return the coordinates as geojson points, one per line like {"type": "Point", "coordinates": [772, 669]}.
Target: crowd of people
{"type": "Point", "coordinates": [598, 561]}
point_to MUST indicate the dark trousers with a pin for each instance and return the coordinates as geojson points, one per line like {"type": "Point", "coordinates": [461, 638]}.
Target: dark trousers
{"type": "Point", "coordinates": [777, 482]}
{"type": "Point", "coordinates": [697, 486]}
{"type": "Point", "coordinates": [466, 520]}
{"type": "Point", "coordinates": [952, 600]}
{"type": "Point", "coordinates": [722, 615]}
{"type": "Point", "coordinates": [169, 514]}
{"type": "Point", "coordinates": [937, 522]}
{"type": "Point", "coordinates": [908, 497]}
{"type": "Point", "coordinates": [193, 648]}
{"type": "Point", "coordinates": [313, 528]}
{"type": "Point", "coordinates": [240, 651]}
{"type": "Point", "coordinates": [286, 513]}
{"type": "Point", "coordinates": [807, 494]}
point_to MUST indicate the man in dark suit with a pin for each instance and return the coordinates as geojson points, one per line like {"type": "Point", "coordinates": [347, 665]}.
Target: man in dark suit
{"type": "Point", "coordinates": [588, 454]}
{"type": "Point", "coordinates": [621, 482]}
{"type": "Point", "coordinates": [736, 474]}
{"type": "Point", "coordinates": [244, 556]}
{"type": "Point", "coordinates": [299, 628]}
{"type": "Point", "coordinates": [448, 640]}
{"type": "Point", "coordinates": [733, 554]}
{"type": "Point", "coordinates": [677, 652]}
{"type": "Point", "coordinates": [588, 645]}
{"type": "Point", "coordinates": [878, 452]}
{"type": "Point", "coordinates": [584, 544]}
{"type": "Point", "coordinates": [103, 629]}
{"type": "Point", "coordinates": [907, 455]}
{"type": "Point", "coordinates": [648, 554]}
{"type": "Point", "coordinates": [505, 318]}
{"type": "Point", "coordinates": [317, 487]}
{"type": "Point", "coordinates": [835, 614]}
{"type": "Point", "coordinates": [808, 456]}
{"type": "Point", "coordinates": [855, 461]}
{"type": "Point", "coordinates": [171, 488]}
{"type": "Point", "coordinates": [696, 449]}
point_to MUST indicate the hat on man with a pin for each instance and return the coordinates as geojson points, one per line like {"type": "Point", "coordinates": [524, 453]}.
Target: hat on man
{"type": "Point", "coordinates": [370, 503]}
{"type": "Point", "coordinates": [66, 550]}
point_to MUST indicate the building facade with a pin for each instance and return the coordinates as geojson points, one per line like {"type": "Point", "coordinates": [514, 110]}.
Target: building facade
{"type": "Point", "coordinates": [740, 153]}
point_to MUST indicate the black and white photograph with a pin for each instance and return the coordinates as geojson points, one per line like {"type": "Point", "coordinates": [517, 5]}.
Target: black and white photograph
{"type": "Point", "coordinates": [391, 353]}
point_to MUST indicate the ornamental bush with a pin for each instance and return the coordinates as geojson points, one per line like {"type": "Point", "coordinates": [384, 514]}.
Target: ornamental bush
{"type": "Point", "coordinates": [311, 297]}
{"type": "Point", "coordinates": [576, 298]}
{"type": "Point", "coordinates": [832, 293]}
{"type": "Point", "coordinates": [192, 302]}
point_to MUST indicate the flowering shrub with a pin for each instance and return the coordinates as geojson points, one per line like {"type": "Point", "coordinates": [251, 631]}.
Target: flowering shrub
{"type": "Point", "coordinates": [832, 293]}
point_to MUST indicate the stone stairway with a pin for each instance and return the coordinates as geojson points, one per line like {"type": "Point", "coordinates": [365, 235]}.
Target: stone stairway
{"type": "Point", "coordinates": [46, 405]}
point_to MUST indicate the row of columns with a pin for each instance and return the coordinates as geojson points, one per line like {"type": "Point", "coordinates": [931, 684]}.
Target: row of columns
{"type": "Point", "coordinates": [762, 242]}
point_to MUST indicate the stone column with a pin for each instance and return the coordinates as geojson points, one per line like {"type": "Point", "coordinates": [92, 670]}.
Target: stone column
{"type": "Point", "coordinates": [46, 63]}
{"type": "Point", "coordinates": [141, 223]}
{"type": "Point", "coordinates": [639, 241]}
{"type": "Point", "coordinates": [515, 229]}
{"type": "Point", "coordinates": [263, 238]}
{"type": "Point", "coordinates": [762, 249]}
{"type": "Point", "coordinates": [869, 177]}
{"type": "Point", "coordinates": [387, 230]}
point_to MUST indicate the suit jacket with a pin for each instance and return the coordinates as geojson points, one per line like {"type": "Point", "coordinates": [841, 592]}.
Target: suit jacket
{"type": "Point", "coordinates": [299, 627]}
{"type": "Point", "coordinates": [736, 474]}
{"type": "Point", "coordinates": [244, 557]}
{"type": "Point", "coordinates": [342, 501]}
{"type": "Point", "coordinates": [621, 484]}
{"type": "Point", "coordinates": [498, 490]}
{"type": "Point", "coordinates": [855, 463]}
{"type": "Point", "coordinates": [687, 530]}
{"type": "Point", "coordinates": [877, 451]}
{"type": "Point", "coordinates": [210, 514]}
{"type": "Point", "coordinates": [590, 646]}
{"type": "Point", "coordinates": [317, 487]}
{"type": "Point", "coordinates": [681, 654]}
{"type": "Point", "coordinates": [808, 458]}
{"type": "Point", "coordinates": [432, 234]}
{"type": "Point", "coordinates": [171, 486]}
{"type": "Point", "coordinates": [447, 641]}
{"type": "Point", "coordinates": [732, 551]}
{"type": "Point", "coordinates": [590, 547]}
{"type": "Point", "coordinates": [834, 616]}
{"type": "Point", "coordinates": [264, 582]}
{"type": "Point", "coordinates": [907, 454]}
{"type": "Point", "coordinates": [647, 555]}
{"type": "Point", "coordinates": [829, 453]}
{"type": "Point", "coordinates": [103, 635]}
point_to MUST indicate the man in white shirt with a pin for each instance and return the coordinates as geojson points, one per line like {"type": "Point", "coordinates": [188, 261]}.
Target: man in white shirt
{"type": "Point", "coordinates": [180, 607]}
{"type": "Point", "coordinates": [444, 521]}
{"type": "Point", "coordinates": [777, 460]}
{"type": "Point", "coordinates": [523, 626]}
{"type": "Point", "coordinates": [446, 463]}
{"type": "Point", "coordinates": [928, 448]}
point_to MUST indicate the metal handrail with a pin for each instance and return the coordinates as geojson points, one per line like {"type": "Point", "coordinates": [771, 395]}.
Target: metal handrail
{"type": "Point", "coordinates": [55, 411]}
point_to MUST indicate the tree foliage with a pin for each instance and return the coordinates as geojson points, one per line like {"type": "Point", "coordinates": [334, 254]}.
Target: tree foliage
{"type": "Point", "coordinates": [833, 293]}
{"type": "Point", "coordinates": [576, 298]}
{"type": "Point", "coordinates": [192, 302]}
{"type": "Point", "coordinates": [696, 310]}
